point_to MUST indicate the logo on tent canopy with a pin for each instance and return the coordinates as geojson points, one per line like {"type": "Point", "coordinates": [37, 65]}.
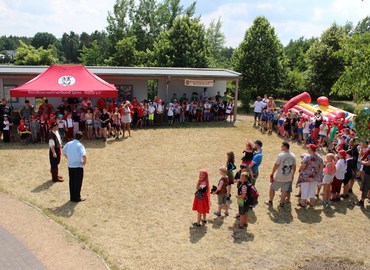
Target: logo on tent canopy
{"type": "Point", "coordinates": [67, 80]}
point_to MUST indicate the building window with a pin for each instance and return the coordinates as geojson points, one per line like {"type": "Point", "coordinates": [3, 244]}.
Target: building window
{"type": "Point", "coordinates": [124, 92]}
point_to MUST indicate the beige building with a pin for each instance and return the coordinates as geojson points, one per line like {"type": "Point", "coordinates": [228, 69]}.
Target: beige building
{"type": "Point", "coordinates": [131, 81]}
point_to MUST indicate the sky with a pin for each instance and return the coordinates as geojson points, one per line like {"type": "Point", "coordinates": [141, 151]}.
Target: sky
{"type": "Point", "coordinates": [291, 19]}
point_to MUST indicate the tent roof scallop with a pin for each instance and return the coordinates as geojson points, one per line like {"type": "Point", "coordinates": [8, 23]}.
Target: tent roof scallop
{"type": "Point", "coordinates": [65, 81]}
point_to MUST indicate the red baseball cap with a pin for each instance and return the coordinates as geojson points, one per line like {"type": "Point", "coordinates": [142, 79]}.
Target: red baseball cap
{"type": "Point", "coordinates": [343, 153]}
{"type": "Point", "coordinates": [312, 147]}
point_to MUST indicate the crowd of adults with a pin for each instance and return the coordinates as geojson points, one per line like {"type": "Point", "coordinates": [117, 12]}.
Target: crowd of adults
{"type": "Point", "coordinates": [110, 117]}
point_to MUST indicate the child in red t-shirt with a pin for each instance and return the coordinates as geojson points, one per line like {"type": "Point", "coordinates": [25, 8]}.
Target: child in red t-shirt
{"type": "Point", "coordinates": [23, 132]}
{"type": "Point", "coordinates": [140, 114]}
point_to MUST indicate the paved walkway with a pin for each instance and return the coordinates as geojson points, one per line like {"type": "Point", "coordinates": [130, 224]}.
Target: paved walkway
{"type": "Point", "coordinates": [14, 255]}
{"type": "Point", "coordinates": [29, 240]}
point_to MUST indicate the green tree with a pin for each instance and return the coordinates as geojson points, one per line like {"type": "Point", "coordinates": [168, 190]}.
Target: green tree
{"type": "Point", "coordinates": [125, 54]}
{"type": "Point", "coordinates": [29, 55]}
{"type": "Point", "coordinates": [261, 60]}
{"type": "Point", "coordinates": [184, 45]}
{"type": "Point", "coordinates": [325, 65]}
{"type": "Point", "coordinates": [296, 53]}
{"type": "Point", "coordinates": [85, 40]}
{"type": "Point", "coordinates": [362, 123]}
{"type": "Point", "coordinates": [92, 55]}
{"type": "Point", "coordinates": [144, 20]}
{"type": "Point", "coordinates": [170, 10]}
{"type": "Point", "coordinates": [293, 85]}
{"type": "Point", "coordinates": [119, 22]}
{"type": "Point", "coordinates": [7, 43]}
{"type": "Point", "coordinates": [355, 80]}
{"type": "Point", "coordinates": [12, 42]}
{"type": "Point", "coordinates": [71, 44]}
{"type": "Point", "coordinates": [363, 26]}
{"type": "Point", "coordinates": [216, 41]}
{"type": "Point", "coordinates": [44, 39]}
{"type": "Point", "coordinates": [146, 24]}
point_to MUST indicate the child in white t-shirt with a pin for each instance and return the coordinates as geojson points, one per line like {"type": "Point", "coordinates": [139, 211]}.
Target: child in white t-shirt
{"type": "Point", "coordinates": [323, 132]}
{"type": "Point", "coordinates": [6, 128]}
{"type": "Point", "coordinates": [170, 113]}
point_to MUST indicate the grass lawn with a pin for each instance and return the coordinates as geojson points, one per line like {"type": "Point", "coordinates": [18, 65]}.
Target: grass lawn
{"type": "Point", "coordinates": [139, 196]}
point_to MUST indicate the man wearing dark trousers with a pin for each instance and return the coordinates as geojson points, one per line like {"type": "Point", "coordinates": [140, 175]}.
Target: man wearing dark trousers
{"type": "Point", "coordinates": [75, 153]}
{"type": "Point", "coordinates": [55, 144]}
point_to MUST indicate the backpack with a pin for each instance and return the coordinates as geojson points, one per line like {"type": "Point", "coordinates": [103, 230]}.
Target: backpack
{"type": "Point", "coordinates": [254, 196]}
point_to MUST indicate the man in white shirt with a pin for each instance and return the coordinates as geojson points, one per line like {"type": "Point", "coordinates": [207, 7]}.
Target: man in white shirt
{"type": "Point", "coordinates": [258, 106]}
{"type": "Point", "coordinates": [75, 153]}
{"type": "Point", "coordinates": [282, 174]}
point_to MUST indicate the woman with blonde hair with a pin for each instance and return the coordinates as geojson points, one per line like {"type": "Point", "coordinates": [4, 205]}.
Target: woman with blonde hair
{"type": "Point", "coordinates": [126, 118]}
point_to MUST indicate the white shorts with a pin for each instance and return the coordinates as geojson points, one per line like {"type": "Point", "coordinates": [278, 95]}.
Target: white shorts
{"type": "Point", "coordinates": [328, 178]}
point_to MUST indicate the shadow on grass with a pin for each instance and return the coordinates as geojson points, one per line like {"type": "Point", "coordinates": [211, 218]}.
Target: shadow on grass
{"type": "Point", "coordinates": [43, 187]}
{"type": "Point", "coordinates": [197, 233]}
{"type": "Point", "coordinates": [309, 215]}
{"type": "Point", "coordinates": [65, 210]}
{"type": "Point", "coordinates": [281, 216]}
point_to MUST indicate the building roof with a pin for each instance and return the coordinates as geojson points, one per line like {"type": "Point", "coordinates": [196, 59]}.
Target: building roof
{"type": "Point", "coordinates": [223, 74]}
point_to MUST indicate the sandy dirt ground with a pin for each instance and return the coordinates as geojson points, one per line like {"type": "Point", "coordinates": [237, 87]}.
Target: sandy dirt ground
{"type": "Point", "coordinates": [139, 196]}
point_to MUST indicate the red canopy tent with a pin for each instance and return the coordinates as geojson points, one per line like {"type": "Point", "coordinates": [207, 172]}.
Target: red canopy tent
{"type": "Point", "coordinates": [65, 81]}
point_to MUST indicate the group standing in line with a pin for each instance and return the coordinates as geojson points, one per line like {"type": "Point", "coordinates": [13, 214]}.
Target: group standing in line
{"type": "Point", "coordinates": [246, 194]}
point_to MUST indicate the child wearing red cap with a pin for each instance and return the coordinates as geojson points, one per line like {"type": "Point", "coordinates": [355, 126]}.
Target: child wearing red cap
{"type": "Point", "coordinates": [23, 132]}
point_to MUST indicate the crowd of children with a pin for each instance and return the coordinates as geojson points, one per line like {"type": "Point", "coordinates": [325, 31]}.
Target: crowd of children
{"type": "Point", "coordinates": [346, 154]}
{"type": "Point", "coordinates": [246, 193]}
{"type": "Point", "coordinates": [293, 125]}
{"type": "Point", "coordinates": [109, 118]}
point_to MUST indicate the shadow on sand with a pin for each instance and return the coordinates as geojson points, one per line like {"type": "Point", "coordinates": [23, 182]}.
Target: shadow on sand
{"type": "Point", "coordinates": [217, 222]}
{"type": "Point", "coordinates": [282, 215]}
{"type": "Point", "coordinates": [309, 215]}
{"type": "Point", "coordinates": [241, 235]}
{"type": "Point", "coordinates": [197, 233]}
